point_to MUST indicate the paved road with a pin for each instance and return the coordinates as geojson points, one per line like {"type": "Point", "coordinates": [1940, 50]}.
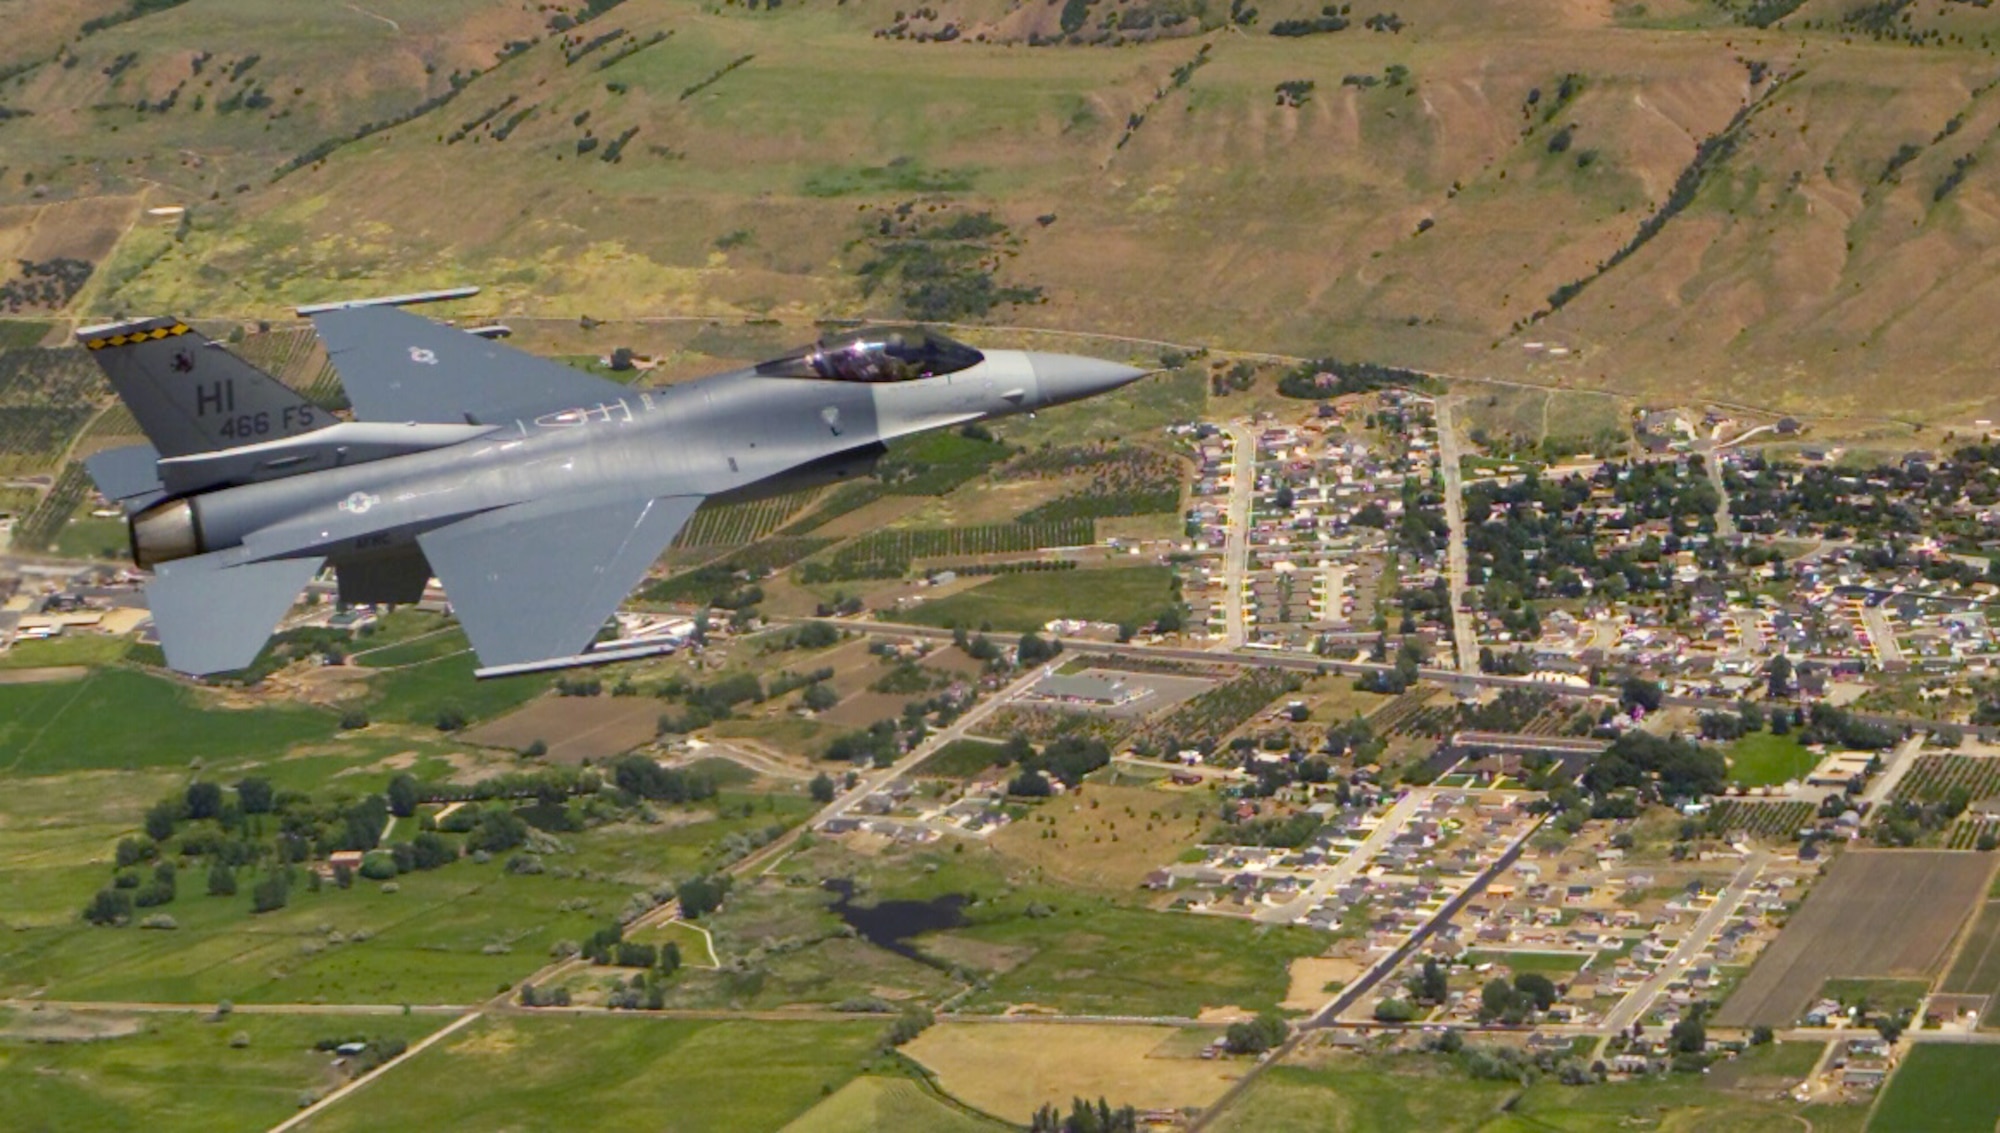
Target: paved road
{"type": "Point", "coordinates": [1236, 553]}
{"type": "Point", "coordinates": [1882, 636]}
{"type": "Point", "coordinates": [1343, 872]}
{"type": "Point", "coordinates": [1725, 524]}
{"type": "Point", "coordinates": [1895, 765]}
{"type": "Point", "coordinates": [1640, 999]}
{"type": "Point", "coordinates": [1313, 663]}
{"type": "Point", "coordinates": [1464, 638]}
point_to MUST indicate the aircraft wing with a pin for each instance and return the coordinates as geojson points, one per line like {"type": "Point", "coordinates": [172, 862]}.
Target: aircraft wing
{"type": "Point", "coordinates": [401, 367]}
{"type": "Point", "coordinates": [536, 581]}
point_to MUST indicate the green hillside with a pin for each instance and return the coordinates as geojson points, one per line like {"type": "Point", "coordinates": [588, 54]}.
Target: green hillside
{"type": "Point", "coordinates": [1781, 204]}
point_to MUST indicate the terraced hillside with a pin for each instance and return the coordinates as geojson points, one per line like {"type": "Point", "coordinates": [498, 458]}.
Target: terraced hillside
{"type": "Point", "coordinates": [1787, 204]}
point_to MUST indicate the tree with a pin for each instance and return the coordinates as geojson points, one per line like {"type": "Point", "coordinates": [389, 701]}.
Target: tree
{"type": "Point", "coordinates": [1761, 1035]}
{"type": "Point", "coordinates": [822, 788]}
{"type": "Point", "coordinates": [109, 907]}
{"type": "Point", "coordinates": [272, 893]}
{"type": "Point", "coordinates": [621, 359]}
{"type": "Point", "coordinates": [1689, 1036]}
{"type": "Point", "coordinates": [1641, 693]}
{"type": "Point", "coordinates": [160, 819]}
{"type": "Point", "coordinates": [254, 795]}
{"type": "Point", "coordinates": [1256, 1035]}
{"type": "Point", "coordinates": [1033, 649]}
{"type": "Point", "coordinates": [221, 880]}
{"type": "Point", "coordinates": [499, 830]}
{"type": "Point", "coordinates": [132, 851]}
{"type": "Point", "coordinates": [1432, 986]}
{"type": "Point", "coordinates": [204, 800]}
{"type": "Point", "coordinates": [819, 696]}
{"type": "Point", "coordinates": [1537, 988]}
{"type": "Point", "coordinates": [1395, 1011]}
{"type": "Point", "coordinates": [403, 795]}
{"type": "Point", "coordinates": [702, 894]}
{"type": "Point", "coordinates": [1781, 677]}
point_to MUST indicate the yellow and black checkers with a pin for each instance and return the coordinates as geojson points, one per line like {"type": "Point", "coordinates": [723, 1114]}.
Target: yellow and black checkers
{"type": "Point", "coordinates": [133, 338]}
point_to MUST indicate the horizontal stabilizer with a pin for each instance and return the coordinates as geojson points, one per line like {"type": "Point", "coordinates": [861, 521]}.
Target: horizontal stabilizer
{"type": "Point", "coordinates": [538, 581]}
{"type": "Point", "coordinates": [215, 618]}
{"type": "Point", "coordinates": [397, 366]}
{"type": "Point", "coordinates": [128, 476]}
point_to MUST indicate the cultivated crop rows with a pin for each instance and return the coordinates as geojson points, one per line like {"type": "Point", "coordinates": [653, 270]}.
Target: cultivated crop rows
{"type": "Point", "coordinates": [1932, 777]}
{"type": "Point", "coordinates": [32, 437]}
{"type": "Point", "coordinates": [39, 530]}
{"type": "Point", "coordinates": [1966, 832]}
{"type": "Point", "coordinates": [1773, 820]}
{"type": "Point", "coordinates": [733, 525]}
{"type": "Point", "coordinates": [1206, 719]}
{"type": "Point", "coordinates": [1124, 480]}
{"type": "Point", "coordinates": [1395, 715]}
{"type": "Point", "coordinates": [887, 554]}
{"type": "Point", "coordinates": [60, 378]}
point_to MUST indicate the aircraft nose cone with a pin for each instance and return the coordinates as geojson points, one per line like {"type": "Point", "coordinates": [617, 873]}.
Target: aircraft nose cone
{"type": "Point", "coordinates": [1072, 377]}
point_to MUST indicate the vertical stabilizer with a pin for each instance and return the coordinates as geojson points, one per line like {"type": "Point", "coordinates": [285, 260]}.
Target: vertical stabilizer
{"type": "Point", "coordinates": [190, 395]}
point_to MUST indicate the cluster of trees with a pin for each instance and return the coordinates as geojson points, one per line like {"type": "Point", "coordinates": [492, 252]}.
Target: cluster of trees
{"type": "Point", "coordinates": [1665, 766]}
{"type": "Point", "coordinates": [648, 780]}
{"type": "Point", "coordinates": [1267, 1031]}
{"type": "Point", "coordinates": [1083, 1117]}
{"type": "Point", "coordinates": [1517, 1002]}
{"type": "Point", "coordinates": [1331, 377]}
{"type": "Point", "coordinates": [1066, 759]}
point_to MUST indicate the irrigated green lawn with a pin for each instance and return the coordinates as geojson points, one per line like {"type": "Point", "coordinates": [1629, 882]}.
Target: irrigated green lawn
{"type": "Point", "coordinates": [1941, 1088]}
{"type": "Point", "coordinates": [180, 1073]}
{"type": "Point", "coordinates": [1761, 759]}
{"type": "Point", "coordinates": [1030, 601]}
{"type": "Point", "coordinates": [614, 1073]}
{"type": "Point", "coordinates": [117, 719]}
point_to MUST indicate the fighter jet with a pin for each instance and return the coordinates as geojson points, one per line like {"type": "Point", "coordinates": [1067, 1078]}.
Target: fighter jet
{"type": "Point", "coordinates": [537, 494]}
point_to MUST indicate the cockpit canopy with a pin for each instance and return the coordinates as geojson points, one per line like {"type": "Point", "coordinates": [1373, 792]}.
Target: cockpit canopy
{"type": "Point", "coordinates": [879, 354]}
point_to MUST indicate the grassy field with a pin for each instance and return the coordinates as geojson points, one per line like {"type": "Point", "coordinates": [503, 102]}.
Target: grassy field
{"type": "Point", "coordinates": [1098, 958]}
{"type": "Point", "coordinates": [1031, 601]}
{"type": "Point", "coordinates": [962, 759]}
{"type": "Point", "coordinates": [877, 1104]}
{"type": "Point", "coordinates": [1111, 837]}
{"type": "Point", "coordinates": [1012, 1069]}
{"type": "Point", "coordinates": [625, 1073]}
{"type": "Point", "coordinates": [1761, 759]}
{"type": "Point", "coordinates": [454, 935]}
{"type": "Point", "coordinates": [417, 693]}
{"type": "Point", "coordinates": [120, 719]}
{"type": "Point", "coordinates": [1941, 1087]}
{"type": "Point", "coordinates": [178, 1072]}
{"type": "Point", "coordinates": [1358, 1094]}
{"type": "Point", "coordinates": [1555, 964]}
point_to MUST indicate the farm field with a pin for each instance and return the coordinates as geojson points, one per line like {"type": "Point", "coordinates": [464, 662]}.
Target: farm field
{"type": "Point", "coordinates": [1011, 1069]}
{"type": "Point", "coordinates": [420, 692]}
{"type": "Point", "coordinates": [117, 718]}
{"type": "Point", "coordinates": [1941, 1088]}
{"type": "Point", "coordinates": [574, 728]}
{"type": "Point", "coordinates": [1932, 777]}
{"type": "Point", "coordinates": [1761, 759]}
{"type": "Point", "coordinates": [1880, 913]}
{"type": "Point", "coordinates": [877, 1104]}
{"type": "Point", "coordinates": [626, 1072]}
{"type": "Point", "coordinates": [1020, 602]}
{"type": "Point", "coordinates": [1776, 821]}
{"type": "Point", "coordinates": [961, 759]}
{"type": "Point", "coordinates": [173, 1072]}
{"type": "Point", "coordinates": [1976, 969]}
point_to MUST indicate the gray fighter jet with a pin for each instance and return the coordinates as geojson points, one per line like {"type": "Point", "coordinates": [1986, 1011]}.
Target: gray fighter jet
{"type": "Point", "coordinates": [537, 494]}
